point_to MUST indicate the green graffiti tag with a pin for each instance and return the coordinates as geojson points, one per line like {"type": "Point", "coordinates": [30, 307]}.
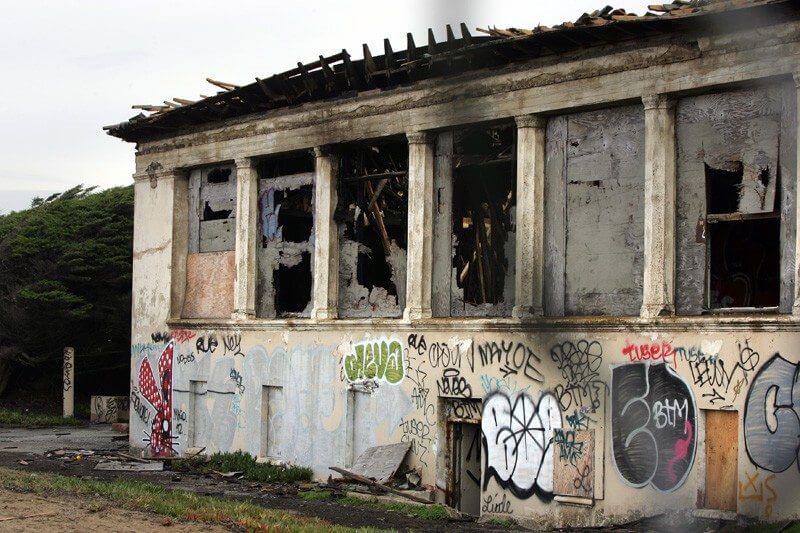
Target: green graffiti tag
{"type": "Point", "coordinates": [378, 360]}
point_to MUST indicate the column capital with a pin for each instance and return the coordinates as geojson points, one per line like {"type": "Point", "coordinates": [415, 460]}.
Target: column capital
{"type": "Point", "coordinates": [657, 101]}
{"type": "Point", "coordinates": [323, 151]}
{"type": "Point", "coordinates": [244, 163]}
{"type": "Point", "coordinates": [155, 174]}
{"type": "Point", "coordinates": [531, 121]}
{"type": "Point", "coordinates": [419, 137]}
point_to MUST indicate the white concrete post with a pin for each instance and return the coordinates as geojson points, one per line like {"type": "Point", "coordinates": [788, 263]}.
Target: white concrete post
{"type": "Point", "coordinates": [69, 382]}
{"type": "Point", "coordinates": [420, 226]}
{"type": "Point", "coordinates": [796, 304]}
{"type": "Point", "coordinates": [178, 181]}
{"type": "Point", "coordinates": [244, 294]}
{"type": "Point", "coordinates": [326, 237]}
{"type": "Point", "coordinates": [528, 283]}
{"type": "Point", "coordinates": [659, 206]}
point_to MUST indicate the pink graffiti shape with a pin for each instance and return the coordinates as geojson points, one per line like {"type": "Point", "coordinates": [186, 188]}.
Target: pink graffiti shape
{"type": "Point", "coordinates": [161, 430]}
{"type": "Point", "coordinates": [681, 450]}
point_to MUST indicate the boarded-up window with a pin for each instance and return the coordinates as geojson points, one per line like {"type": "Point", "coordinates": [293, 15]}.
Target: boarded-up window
{"type": "Point", "coordinates": [372, 214]}
{"type": "Point", "coordinates": [285, 236]}
{"type": "Point", "coordinates": [210, 266]}
{"type": "Point", "coordinates": [728, 210]}
{"type": "Point", "coordinates": [594, 213]}
{"type": "Point", "coordinates": [212, 215]}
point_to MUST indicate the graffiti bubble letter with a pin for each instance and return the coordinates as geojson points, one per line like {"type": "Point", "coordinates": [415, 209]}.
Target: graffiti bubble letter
{"type": "Point", "coordinates": [378, 360]}
{"type": "Point", "coordinates": [772, 416]}
{"type": "Point", "coordinates": [653, 425]}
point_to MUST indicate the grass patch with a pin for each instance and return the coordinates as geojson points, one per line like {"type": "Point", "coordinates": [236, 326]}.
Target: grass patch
{"type": "Point", "coordinates": [506, 523]}
{"type": "Point", "coordinates": [253, 471]}
{"type": "Point", "coordinates": [16, 419]}
{"type": "Point", "coordinates": [426, 512]}
{"type": "Point", "coordinates": [316, 494]}
{"type": "Point", "coordinates": [153, 498]}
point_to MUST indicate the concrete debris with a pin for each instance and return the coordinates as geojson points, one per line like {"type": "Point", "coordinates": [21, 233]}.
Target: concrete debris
{"type": "Point", "coordinates": [381, 462]}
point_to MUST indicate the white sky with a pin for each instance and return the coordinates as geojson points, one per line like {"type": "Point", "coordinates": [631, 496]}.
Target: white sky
{"type": "Point", "coordinates": [69, 67]}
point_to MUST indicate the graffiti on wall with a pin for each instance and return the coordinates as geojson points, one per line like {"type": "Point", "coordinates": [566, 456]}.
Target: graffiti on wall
{"type": "Point", "coordinates": [159, 395]}
{"type": "Point", "coordinates": [517, 439]}
{"type": "Point", "coordinates": [380, 360]}
{"type": "Point", "coordinates": [579, 364]}
{"type": "Point", "coordinates": [758, 489]}
{"type": "Point", "coordinates": [772, 416]}
{"type": "Point", "coordinates": [653, 425]}
{"type": "Point", "coordinates": [717, 381]}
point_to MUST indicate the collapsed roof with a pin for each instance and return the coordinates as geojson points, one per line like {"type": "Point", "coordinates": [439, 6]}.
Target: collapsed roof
{"type": "Point", "coordinates": [340, 76]}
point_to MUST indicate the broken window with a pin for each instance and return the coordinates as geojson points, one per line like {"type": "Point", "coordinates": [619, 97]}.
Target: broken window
{"type": "Point", "coordinates": [729, 224]}
{"type": "Point", "coordinates": [285, 236]}
{"type": "Point", "coordinates": [484, 199]}
{"type": "Point", "coordinates": [743, 241]}
{"type": "Point", "coordinates": [213, 222]}
{"type": "Point", "coordinates": [372, 214]}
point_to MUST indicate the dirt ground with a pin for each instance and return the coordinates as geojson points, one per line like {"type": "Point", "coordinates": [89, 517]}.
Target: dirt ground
{"type": "Point", "coordinates": [29, 512]}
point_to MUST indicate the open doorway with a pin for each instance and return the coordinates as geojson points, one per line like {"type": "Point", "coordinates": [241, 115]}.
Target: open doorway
{"type": "Point", "coordinates": [466, 467]}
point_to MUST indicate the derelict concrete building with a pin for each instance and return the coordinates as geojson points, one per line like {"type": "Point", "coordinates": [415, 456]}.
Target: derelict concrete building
{"type": "Point", "coordinates": [560, 263]}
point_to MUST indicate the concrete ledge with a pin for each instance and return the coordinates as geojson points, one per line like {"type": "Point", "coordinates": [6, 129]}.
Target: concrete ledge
{"type": "Point", "coordinates": [715, 514]}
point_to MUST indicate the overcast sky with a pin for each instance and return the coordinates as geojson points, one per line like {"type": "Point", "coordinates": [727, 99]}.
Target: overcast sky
{"type": "Point", "coordinates": [70, 67]}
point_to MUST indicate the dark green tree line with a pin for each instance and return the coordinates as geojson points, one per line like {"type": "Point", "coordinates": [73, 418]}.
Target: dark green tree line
{"type": "Point", "coordinates": [65, 280]}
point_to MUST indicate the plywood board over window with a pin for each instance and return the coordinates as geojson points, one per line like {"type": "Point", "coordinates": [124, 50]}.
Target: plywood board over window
{"type": "Point", "coordinates": [594, 213]}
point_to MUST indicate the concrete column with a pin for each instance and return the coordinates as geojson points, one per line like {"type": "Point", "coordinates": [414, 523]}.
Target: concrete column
{"type": "Point", "coordinates": [244, 293]}
{"type": "Point", "coordinates": [420, 226]}
{"type": "Point", "coordinates": [326, 237]}
{"type": "Point", "coordinates": [796, 305]}
{"type": "Point", "coordinates": [659, 206]}
{"type": "Point", "coordinates": [528, 283]}
{"type": "Point", "coordinates": [69, 382]}
{"type": "Point", "coordinates": [179, 182]}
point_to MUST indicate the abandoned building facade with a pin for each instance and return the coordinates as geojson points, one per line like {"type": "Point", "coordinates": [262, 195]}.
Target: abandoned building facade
{"type": "Point", "coordinates": [561, 264]}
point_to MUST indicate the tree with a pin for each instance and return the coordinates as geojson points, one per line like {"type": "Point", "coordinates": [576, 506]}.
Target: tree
{"type": "Point", "coordinates": [65, 280]}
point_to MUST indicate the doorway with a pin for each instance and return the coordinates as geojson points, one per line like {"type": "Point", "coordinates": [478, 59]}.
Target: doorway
{"type": "Point", "coordinates": [722, 454]}
{"type": "Point", "coordinates": [466, 467]}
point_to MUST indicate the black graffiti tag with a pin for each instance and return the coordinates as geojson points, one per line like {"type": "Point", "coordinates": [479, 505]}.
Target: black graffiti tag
{"type": "Point", "coordinates": [579, 364]}
{"type": "Point", "coordinates": [452, 383]}
{"type": "Point", "coordinates": [511, 358]}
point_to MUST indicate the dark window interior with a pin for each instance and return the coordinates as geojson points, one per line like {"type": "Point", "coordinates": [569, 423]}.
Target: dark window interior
{"type": "Point", "coordinates": [723, 188]}
{"type": "Point", "coordinates": [219, 175]}
{"type": "Point", "coordinates": [484, 192]}
{"type": "Point", "coordinates": [373, 206]}
{"type": "Point", "coordinates": [292, 286]}
{"type": "Point", "coordinates": [744, 258]}
{"type": "Point", "coordinates": [286, 165]}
